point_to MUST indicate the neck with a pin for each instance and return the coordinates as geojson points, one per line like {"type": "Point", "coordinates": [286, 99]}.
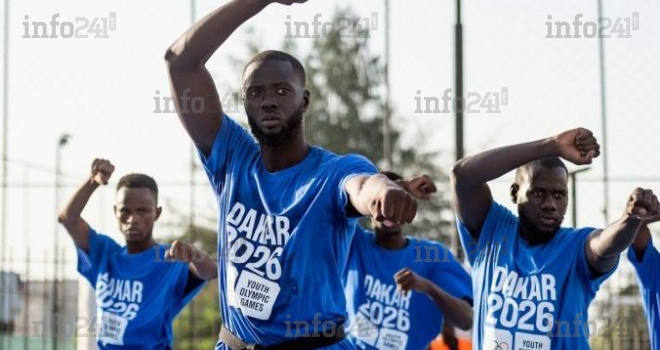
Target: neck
{"type": "Point", "coordinates": [391, 241]}
{"type": "Point", "coordinates": [139, 247]}
{"type": "Point", "coordinates": [284, 156]}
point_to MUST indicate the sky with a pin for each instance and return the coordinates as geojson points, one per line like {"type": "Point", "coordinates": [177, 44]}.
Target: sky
{"type": "Point", "coordinates": [103, 92]}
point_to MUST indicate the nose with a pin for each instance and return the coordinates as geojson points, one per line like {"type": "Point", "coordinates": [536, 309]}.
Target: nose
{"type": "Point", "coordinates": [549, 203]}
{"type": "Point", "coordinates": [270, 101]}
{"type": "Point", "coordinates": [131, 219]}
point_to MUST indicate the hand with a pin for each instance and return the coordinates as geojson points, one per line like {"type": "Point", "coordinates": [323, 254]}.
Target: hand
{"type": "Point", "coordinates": [101, 171]}
{"type": "Point", "coordinates": [420, 187]}
{"type": "Point", "coordinates": [643, 204]}
{"type": "Point", "coordinates": [578, 146]}
{"type": "Point", "coordinates": [407, 280]}
{"type": "Point", "coordinates": [393, 206]}
{"type": "Point", "coordinates": [184, 252]}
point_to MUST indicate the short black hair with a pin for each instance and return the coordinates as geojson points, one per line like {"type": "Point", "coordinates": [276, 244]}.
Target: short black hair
{"type": "Point", "coordinates": [135, 180]}
{"type": "Point", "coordinates": [274, 55]}
{"type": "Point", "coordinates": [548, 162]}
{"type": "Point", "coordinates": [392, 175]}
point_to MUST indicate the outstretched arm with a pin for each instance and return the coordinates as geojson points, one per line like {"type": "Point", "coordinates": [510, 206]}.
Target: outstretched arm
{"type": "Point", "coordinates": [189, 78]}
{"type": "Point", "coordinates": [70, 217]}
{"type": "Point", "coordinates": [471, 195]}
{"type": "Point", "coordinates": [200, 264]}
{"type": "Point", "coordinates": [457, 311]}
{"type": "Point", "coordinates": [604, 246]}
{"type": "Point", "coordinates": [641, 241]}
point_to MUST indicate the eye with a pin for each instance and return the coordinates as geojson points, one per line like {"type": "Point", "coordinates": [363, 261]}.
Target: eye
{"type": "Point", "coordinates": [537, 193]}
{"type": "Point", "coordinates": [560, 195]}
{"type": "Point", "coordinates": [282, 91]}
{"type": "Point", "coordinates": [252, 93]}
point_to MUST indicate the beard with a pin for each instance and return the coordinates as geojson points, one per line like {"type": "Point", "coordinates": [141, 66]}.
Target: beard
{"type": "Point", "coordinates": [289, 131]}
{"type": "Point", "coordinates": [532, 233]}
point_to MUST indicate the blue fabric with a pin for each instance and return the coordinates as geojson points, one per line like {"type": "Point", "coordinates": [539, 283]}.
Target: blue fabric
{"type": "Point", "coordinates": [382, 318]}
{"type": "Point", "coordinates": [648, 275]}
{"type": "Point", "coordinates": [529, 297]}
{"type": "Point", "coordinates": [137, 295]}
{"type": "Point", "coordinates": [283, 238]}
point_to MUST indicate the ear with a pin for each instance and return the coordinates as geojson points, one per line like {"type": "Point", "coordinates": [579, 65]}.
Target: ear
{"type": "Point", "coordinates": [306, 99]}
{"type": "Point", "coordinates": [514, 192]}
{"type": "Point", "coordinates": [114, 210]}
{"type": "Point", "coordinates": [158, 211]}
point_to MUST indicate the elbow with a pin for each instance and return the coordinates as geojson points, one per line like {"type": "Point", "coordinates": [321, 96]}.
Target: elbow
{"type": "Point", "coordinates": [455, 176]}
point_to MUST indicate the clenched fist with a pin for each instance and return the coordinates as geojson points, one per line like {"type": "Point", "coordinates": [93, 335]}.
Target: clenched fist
{"type": "Point", "coordinates": [101, 171]}
{"type": "Point", "coordinates": [393, 205]}
{"type": "Point", "coordinates": [407, 280]}
{"type": "Point", "coordinates": [578, 146]}
{"type": "Point", "coordinates": [420, 187]}
{"type": "Point", "coordinates": [184, 252]}
{"type": "Point", "coordinates": [643, 204]}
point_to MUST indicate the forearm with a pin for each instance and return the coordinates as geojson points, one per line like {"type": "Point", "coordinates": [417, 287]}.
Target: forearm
{"type": "Point", "coordinates": [203, 268]}
{"type": "Point", "coordinates": [199, 42]}
{"type": "Point", "coordinates": [604, 247]}
{"type": "Point", "coordinates": [486, 166]}
{"type": "Point", "coordinates": [71, 212]}
{"type": "Point", "coordinates": [457, 311]}
{"type": "Point", "coordinates": [641, 241]}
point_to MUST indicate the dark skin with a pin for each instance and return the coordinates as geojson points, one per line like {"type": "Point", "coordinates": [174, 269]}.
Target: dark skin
{"type": "Point", "coordinates": [472, 198]}
{"type": "Point", "coordinates": [542, 198]}
{"type": "Point", "coordinates": [392, 238]}
{"type": "Point", "coordinates": [273, 95]}
{"type": "Point", "coordinates": [643, 238]}
{"type": "Point", "coordinates": [137, 211]}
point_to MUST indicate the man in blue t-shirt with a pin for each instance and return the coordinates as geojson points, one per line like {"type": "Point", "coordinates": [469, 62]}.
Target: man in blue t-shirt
{"type": "Point", "coordinates": [141, 286]}
{"type": "Point", "coordinates": [384, 266]}
{"type": "Point", "coordinates": [646, 260]}
{"type": "Point", "coordinates": [533, 280]}
{"type": "Point", "coordinates": [287, 210]}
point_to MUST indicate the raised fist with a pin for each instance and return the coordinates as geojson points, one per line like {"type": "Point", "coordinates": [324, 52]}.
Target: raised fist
{"type": "Point", "coordinates": [101, 171]}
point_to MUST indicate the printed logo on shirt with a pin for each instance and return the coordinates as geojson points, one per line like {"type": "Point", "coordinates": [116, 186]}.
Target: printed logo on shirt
{"type": "Point", "coordinates": [118, 301]}
{"type": "Point", "coordinates": [256, 241]}
{"type": "Point", "coordinates": [523, 305]}
{"type": "Point", "coordinates": [383, 321]}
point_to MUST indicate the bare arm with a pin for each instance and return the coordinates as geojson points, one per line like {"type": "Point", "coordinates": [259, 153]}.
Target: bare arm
{"type": "Point", "coordinates": [471, 196]}
{"type": "Point", "coordinates": [70, 217]}
{"type": "Point", "coordinates": [189, 78]}
{"type": "Point", "coordinates": [200, 264]}
{"type": "Point", "coordinates": [604, 246]}
{"type": "Point", "coordinates": [378, 197]}
{"type": "Point", "coordinates": [457, 311]}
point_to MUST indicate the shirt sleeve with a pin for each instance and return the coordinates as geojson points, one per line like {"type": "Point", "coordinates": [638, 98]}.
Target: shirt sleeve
{"type": "Point", "coordinates": [187, 286]}
{"type": "Point", "coordinates": [231, 142]}
{"type": "Point", "coordinates": [647, 267]}
{"type": "Point", "coordinates": [498, 219]}
{"type": "Point", "coordinates": [591, 279]}
{"type": "Point", "coordinates": [350, 166]}
{"type": "Point", "coordinates": [100, 246]}
{"type": "Point", "coordinates": [449, 275]}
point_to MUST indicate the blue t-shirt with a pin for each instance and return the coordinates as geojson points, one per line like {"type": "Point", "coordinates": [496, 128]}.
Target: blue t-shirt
{"type": "Point", "coordinates": [381, 317]}
{"type": "Point", "coordinates": [529, 297]}
{"type": "Point", "coordinates": [283, 238]}
{"type": "Point", "coordinates": [648, 274]}
{"type": "Point", "coordinates": [137, 295]}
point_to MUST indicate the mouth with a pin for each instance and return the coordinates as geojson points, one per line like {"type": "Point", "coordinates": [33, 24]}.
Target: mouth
{"type": "Point", "coordinates": [132, 232]}
{"type": "Point", "coordinates": [548, 220]}
{"type": "Point", "coordinates": [269, 120]}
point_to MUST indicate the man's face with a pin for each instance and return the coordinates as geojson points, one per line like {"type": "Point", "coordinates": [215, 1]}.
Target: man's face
{"type": "Point", "coordinates": [542, 198]}
{"type": "Point", "coordinates": [275, 101]}
{"type": "Point", "coordinates": [136, 211]}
